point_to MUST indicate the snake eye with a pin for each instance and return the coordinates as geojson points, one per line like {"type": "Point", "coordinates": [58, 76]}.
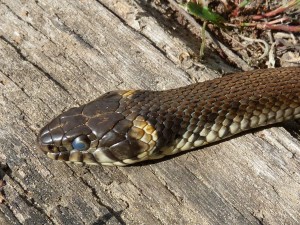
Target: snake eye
{"type": "Point", "coordinates": [81, 143]}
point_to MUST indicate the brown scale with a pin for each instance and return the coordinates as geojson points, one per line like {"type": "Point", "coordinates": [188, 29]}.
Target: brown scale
{"type": "Point", "coordinates": [115, 122]}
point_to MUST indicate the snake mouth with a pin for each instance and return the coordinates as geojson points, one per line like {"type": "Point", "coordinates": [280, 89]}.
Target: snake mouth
{"type": "Point", "coordinates": [83, 158]}
{"type": "Point", "coordinates": [96, 157]}
{"type": "Point", "coordinates": [74, 156]}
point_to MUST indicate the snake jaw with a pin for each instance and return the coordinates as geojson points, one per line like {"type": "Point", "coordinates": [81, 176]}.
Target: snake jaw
{"type": "Point", "coordinates": [88, 158]}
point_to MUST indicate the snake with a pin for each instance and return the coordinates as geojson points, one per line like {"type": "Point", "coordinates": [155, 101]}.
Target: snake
{"type": "Point", "coordinates": [124, 127]}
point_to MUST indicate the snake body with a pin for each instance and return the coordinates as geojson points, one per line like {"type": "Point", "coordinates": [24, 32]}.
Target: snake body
{"type": "Point", "coordinates": [125, 127]}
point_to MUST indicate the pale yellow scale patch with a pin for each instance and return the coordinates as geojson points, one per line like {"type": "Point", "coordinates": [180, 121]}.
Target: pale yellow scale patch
{"type": "Point", "coordinates": [237, 119]}
{"type": "Point", "coordinates": [279, 114]}
{"type": "Point", "coordinates": [192, 138]}
{"type": "Point", "coordinates": [146, 138]}
{"type": "Point", "coordinates": [149, 129]}
{"type": "Point", "coordinates": [197, 130]}
{"type": "Point", "coordinates": [204, 132]}
{"type": "Point", "coordinates": [170, 150]}
{"type": "Point", "coordinates": [143, 131]}
{"type": "Point", "coordinates": [244, 124]}
{"type": "Point", "coordinates": [181, 143]}
{"type": "Point", "coordinates": [131, 161]}
{"type": "Point", "coordinates": [265, 111]}
{"type": "Point", "coordinates": [271, 115]}
{"type": "Point", "coordinates": [198, 143]}
{"type": "Point", "coordinates": [211, 137]}
{"type": "Point", "coordinates": [223, 131]}
{"type": "Point", "coordinates": [253, 121]}
{"type": "Point", "coordinates": [139, 124]}
{"type": "Point", "coordinates": [187, 146]}
{"type": "Point", "coordinates": [262, 118]}
{"type": "Point", "coordinates": [226, 122]}
{"type": "Point", "coordinates": [187, 134]}
{"type": "Point", "coordinates": [129, 93]}
{"type": "Point", "coordinates": [136, 132]}
{"type": "Point", "coordinates": [288, 112]}
{"type": "Point", "coordinates": [152, 144]}
{"type": "Point", "coordinates": [142, 155]}
{"type": "Point", "coordinates": [101, 157]}
{"type": "Point", "coordinates": [216, 127]}
{"type": "Point", "coordinates": [234, 127]}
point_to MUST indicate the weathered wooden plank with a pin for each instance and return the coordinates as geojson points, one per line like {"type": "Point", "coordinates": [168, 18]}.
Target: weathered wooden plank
{"type": "Point", "coordinates": [58, 54]}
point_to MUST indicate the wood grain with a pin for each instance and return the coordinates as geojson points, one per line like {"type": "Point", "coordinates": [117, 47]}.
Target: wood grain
{"type": "Point", "coordinates": [59, 54]}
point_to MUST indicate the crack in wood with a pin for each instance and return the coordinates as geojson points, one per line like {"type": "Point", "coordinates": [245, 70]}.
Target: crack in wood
{"type": "Point", "coordinates": [22, 56]}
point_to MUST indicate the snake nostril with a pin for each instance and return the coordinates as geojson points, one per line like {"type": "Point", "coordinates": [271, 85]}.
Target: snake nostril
{"type": "Point", "coordinates": [45, 148]}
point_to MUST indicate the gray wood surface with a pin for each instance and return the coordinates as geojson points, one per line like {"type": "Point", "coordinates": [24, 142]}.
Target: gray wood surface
{"type": "Point", "coordinates": [58, 54]}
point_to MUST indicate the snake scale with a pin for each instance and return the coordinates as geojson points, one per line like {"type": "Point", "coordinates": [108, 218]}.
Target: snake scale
{"type": "Point", "coordinates": [125, 127]}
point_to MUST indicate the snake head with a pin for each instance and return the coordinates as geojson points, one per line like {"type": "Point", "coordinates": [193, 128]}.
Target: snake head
{"type": "Point", "coordinates": [99, 132]}
{"type": "Point", "coordinates": [67, 136]}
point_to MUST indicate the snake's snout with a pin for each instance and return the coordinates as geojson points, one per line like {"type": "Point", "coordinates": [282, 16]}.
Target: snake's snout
{"type": "Point", "coordinates": [44, 141]}
{"type": "Point", "coordinates": [41, 147]}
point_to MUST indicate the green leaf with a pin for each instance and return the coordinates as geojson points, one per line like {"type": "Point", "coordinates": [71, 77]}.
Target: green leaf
{"type": "Point", "coordinates": [203, 13]}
